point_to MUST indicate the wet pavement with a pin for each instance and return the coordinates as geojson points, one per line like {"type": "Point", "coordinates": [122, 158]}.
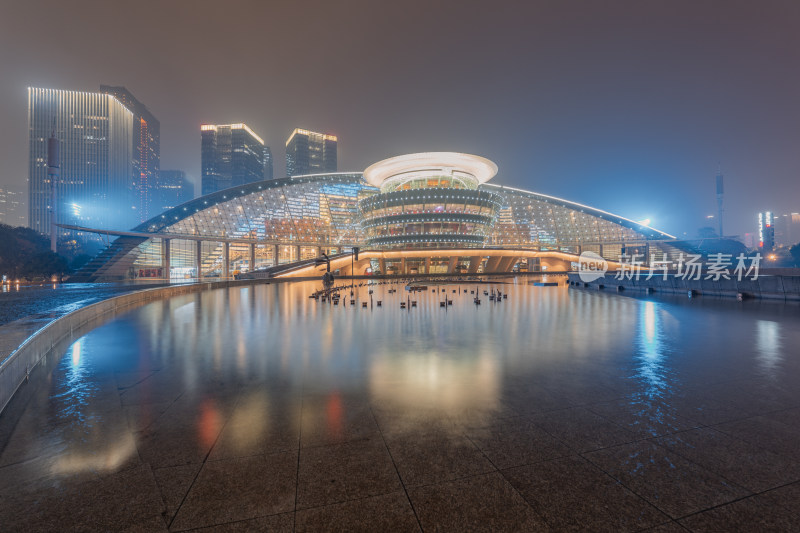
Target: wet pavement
{"type": "Point", "coordinates": [52, 300]}
{"type": "Point", "coordinates": [258, 408]}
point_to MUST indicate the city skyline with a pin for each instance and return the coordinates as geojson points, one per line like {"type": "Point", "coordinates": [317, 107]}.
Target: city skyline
{"type": "Point", "coordinates": [649, 99]}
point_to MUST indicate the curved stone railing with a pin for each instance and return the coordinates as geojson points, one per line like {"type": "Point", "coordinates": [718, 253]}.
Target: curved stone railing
{"type": "Point", "coordinates": [15, 369]}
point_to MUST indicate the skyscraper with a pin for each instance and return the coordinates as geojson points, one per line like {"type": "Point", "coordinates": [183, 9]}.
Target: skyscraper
{"type": "Point", "coordinates": [146, 151]}
{"type": "Point", "coordinates": [231, 155]}
{"type": "Point", "coordinates": [308, 152]}
{"type": "Point", "coordinates": [172, 189]}
{"type": "Point", "coordinates": [95, 134]}
{"type": "Point", "coordinates": [766, 231]}
{"type": "Point", "coordinates": [268, 170]}
{"type": "Point", "coordinates": [11, 207]}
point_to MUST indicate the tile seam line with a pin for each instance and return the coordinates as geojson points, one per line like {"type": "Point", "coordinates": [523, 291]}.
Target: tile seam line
{"type": "Point", "coordinates": [524, 499]}
{"type": "Point", "coordinates": [199, 470]}
{"type": "Point", "coordinates": [394, 464]}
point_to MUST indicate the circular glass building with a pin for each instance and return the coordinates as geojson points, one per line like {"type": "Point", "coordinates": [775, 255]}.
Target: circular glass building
{"type": "Point", "coordinates": [429, 200]}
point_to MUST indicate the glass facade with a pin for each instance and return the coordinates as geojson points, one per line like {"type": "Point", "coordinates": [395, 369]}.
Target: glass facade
{"type": "Point", "coordinates": [231, 155]}
{"type": "Point", "coordinates": [309, 152]}
{"type": "Point", "coordinates": [429, 217]}
{"type": "Point", "coordinates": [95, 132]}
{"type": "Point", "coordinates": [172, 189]}
{"type": "Point", "coordinates": [146, 155]}
{"type": "Point", "coordinates": [289, 219]}
{"type": "Point", "coordinates": [536, 221]}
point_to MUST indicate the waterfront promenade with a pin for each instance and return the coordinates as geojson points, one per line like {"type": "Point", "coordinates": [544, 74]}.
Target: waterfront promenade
{"type": "Point", "coordinates": [555, 409]}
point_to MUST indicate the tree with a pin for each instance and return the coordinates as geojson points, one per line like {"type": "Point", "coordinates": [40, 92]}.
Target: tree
{"type": "Point", "coordinates": [78, 261]}
{"type": "Point", "coordinates": [44, 264]}
{"type": "Point", "coordinates": [24, 252]}
{"type": "Point", "coordinates": [794, 251]}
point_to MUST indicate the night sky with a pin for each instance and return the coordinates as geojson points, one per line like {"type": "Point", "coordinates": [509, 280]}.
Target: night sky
{"type": "Point", "coordinates": [626, 106]}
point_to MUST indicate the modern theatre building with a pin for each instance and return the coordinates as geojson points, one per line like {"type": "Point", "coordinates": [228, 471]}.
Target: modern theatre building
{"type": "Point", "coordinates": [431, 213]}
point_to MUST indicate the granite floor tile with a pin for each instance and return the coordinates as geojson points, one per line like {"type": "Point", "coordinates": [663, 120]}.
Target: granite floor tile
{"type": "Point", "coordinates": [644, 418]}
{"type": "Point", "coordinates": [672, 483]}
{"type": "Point", "coordinates": [747, 465]}
{"type": "Point", "coordinates": [750, 397]}
{"type": "Point", "coordinates": [515, 442]}
{"type": "Point", "coordinates": [574, 495]}
{"type": "Point", "coordinates": [668, 527]}
{"type": "Point", "coordinates": [279, 523]}
{"type": "Point", "coordinates": [143, 416]}
{"type": "Point", "coordinates": [766, 433]}
{"type": "Point", "coordinates": [786, 497]}
{"type": "Point", "coordinates": [582, 393]}
{"type": "Point", "coordinates": [348, 471]}
{"type": "Point", "coordinates": [152, 524]}
{"type": "Point", "coordinates": [436, 458]}
{"type": "Point", "coordinates": [705, 410]}
{"type": "Point", "coordinates": [238, 489]}
{"type": "Point", "coordinates": [749, 514]}
{"type": "Point", "coordinates": [582, 430]}
{"type": "Point", "coordinates": [174, 446]}
{"type": "Point", "coordinates": [334, 419]}
{"type": "Point", "coordinates": [390, 512]}
{"type": "Point", "coordinates": [415, 423]}
{"type": "Point", "coordinates": [116, 502]}
{"type": "Point", "coordinates": [265, 435]}
{"type": "Point", "coordinates": [530, 399]}
{"type": "Point", "coordinates": [790, 417]}
{"type": "Point", "coordinates": [174, 483]}
{"type": "Point", "coordinates": [482, 503]}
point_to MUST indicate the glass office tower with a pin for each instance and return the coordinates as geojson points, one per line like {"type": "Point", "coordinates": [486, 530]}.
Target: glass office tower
{"type": "Point", "coordinates": [231, 155]}
{"type": "Point", "coordinates": [95, 133]}
{"type": "Point", "coordinates": [146, 152]}
{"type": "Point", "coordinates": [172, 189]}
{"type": "Point", "coordinates": [308, 152]}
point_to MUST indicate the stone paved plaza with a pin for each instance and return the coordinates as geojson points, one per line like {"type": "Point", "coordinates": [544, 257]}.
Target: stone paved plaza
{"type": "Point", "coordinates": [256, 408]}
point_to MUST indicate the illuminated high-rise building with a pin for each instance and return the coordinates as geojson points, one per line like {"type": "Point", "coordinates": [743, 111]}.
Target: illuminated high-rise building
{"type": "Point", "coordinates": [308, 152]}
{"type": "Point", "coordinates": [766, 231]}
{"type": "Point", "coordinates": [172, 189]}
{"type": "Point", "coordinates": [146, 152]}
{"type": "Point", "coordinates": [95, 135]}
{"type": "Point", "coordinates": [787, 229]}
{"type": "Point", "coordinates": [231, 155]}
{"type": "Point", "coordinates": [269, 171]}
{"type": "Point", "coordinates": [12, 207]}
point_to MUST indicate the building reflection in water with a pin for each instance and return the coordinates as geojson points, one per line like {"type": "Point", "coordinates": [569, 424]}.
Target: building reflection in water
{"type": "Point", "coordinates": [247, 368]}
{"type": "Point", "coordinates": [651, 403]}
{"type": "Point", "coordinates": [436, 384]}
{"type": "Point", "coordinates": [768, 347]}
{"type": "Point", "coordinates": [650, 352]}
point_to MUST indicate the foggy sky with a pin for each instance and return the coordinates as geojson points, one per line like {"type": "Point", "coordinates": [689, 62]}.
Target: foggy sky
{"type": "Point", "coordinates": [625, 106]}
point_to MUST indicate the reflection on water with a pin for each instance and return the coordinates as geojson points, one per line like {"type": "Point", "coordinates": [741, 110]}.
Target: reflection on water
{"type": "Point", "coordinates": [251, 362]}
{"type": "Point", "coordinates": [768, 346]}
{"type": "Point", "coordinates": [651, 351]}
{"type": "Point", "coordinates": [77, 385]}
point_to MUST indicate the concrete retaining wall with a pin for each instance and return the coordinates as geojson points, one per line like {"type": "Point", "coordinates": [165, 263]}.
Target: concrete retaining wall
{"type": "Point", "coordinates": [767, 287]}
{"type": "Point", "coordinates": [15, 368]}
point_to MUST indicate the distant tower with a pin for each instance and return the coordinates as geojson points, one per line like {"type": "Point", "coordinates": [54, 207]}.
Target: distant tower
{"type": "Point", "coordinates": [308, 152]}
{"type": "Point", "coordinates": [720, 190]}
{"type": "Point", "coordinates": [53, 173]}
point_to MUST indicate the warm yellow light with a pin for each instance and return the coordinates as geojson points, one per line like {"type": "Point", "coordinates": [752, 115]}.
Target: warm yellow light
{"type": "Point", "coordinates": [237, 126]}
{"type": "Point", "coordinates": [317, 136]}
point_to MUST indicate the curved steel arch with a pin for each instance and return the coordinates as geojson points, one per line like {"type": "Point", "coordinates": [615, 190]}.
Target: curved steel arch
{"type": "Point", "coordinates": [646, 231]}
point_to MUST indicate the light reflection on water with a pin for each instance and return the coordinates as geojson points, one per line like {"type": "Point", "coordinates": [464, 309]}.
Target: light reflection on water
{"type": "Point", "coordinates": [768, 346]}
{"type": "Point", "coordinates": [243, 358]}
{"type": "Point", "coordinates": [651, 352]}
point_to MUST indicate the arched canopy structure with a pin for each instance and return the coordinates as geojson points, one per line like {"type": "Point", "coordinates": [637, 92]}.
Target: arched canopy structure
{"type": "Point", "coordinates": [284, 220]}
